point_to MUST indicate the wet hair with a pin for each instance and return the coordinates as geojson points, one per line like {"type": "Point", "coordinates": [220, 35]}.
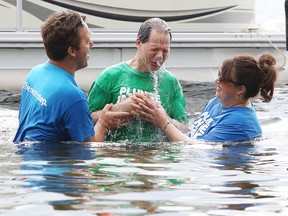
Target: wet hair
{"type": "Point", "coordinates": [153, 23]}
{"type": "Point", "coordinates": [257, 76]}
{"type": "Point", "coordinates": [61, 31]}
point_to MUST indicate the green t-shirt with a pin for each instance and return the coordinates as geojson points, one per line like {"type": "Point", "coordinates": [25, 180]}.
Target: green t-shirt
{"type": "Point", "coordinates": [120, 81]}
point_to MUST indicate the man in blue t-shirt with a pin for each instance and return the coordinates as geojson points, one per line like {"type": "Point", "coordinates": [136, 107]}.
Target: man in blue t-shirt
{"type": "Point", "coordinates": [53, 107]}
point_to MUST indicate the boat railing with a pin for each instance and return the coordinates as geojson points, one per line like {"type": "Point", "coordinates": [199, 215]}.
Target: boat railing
{"type": "Point", "coordinates": [180, 39]}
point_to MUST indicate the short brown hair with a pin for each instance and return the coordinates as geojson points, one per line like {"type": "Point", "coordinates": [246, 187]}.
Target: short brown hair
{"type": "Point", "coordinates": [60, 31]}
{"type": "Point", "coordinates": [152, 23]}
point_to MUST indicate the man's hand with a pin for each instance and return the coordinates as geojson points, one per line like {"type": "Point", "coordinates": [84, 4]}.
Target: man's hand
{"type": "Point", "coordinates": [111, 119]}
{"type": "Point", "coordinates": [108, 119]}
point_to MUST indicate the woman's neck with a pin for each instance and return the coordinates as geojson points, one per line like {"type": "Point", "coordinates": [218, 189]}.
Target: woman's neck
{"type": "Point", "coordinates": [238, 104]}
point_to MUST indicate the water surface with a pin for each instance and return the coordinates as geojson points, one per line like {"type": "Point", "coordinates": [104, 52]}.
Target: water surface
{"type": "Point", "coordinates": [168, 179]}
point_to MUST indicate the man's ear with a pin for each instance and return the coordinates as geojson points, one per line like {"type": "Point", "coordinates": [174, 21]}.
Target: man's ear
{"type": "Point", "coordinates": [138, 42]}
{"type": "Point", "coordinates": [71, 52]}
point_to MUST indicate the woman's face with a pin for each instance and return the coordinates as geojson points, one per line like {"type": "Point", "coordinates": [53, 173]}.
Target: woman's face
{"type": "Point", "coordinates": [227, 90]}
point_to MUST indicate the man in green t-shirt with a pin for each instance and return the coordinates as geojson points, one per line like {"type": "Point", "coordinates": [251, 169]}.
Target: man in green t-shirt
{"type": "Point", "coordinates": [144, 73]}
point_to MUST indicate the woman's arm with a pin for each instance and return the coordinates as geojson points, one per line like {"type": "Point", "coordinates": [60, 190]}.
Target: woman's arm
{"type": "Point", "coordinates": [148, 110]}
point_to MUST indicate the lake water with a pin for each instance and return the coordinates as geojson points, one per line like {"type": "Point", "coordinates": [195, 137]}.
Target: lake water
{"type": "Point", "coordinates": [164, 179]}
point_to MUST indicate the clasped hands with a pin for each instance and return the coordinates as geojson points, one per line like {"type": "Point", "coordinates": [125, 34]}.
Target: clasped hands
{"type": "Point", "coordinates": [138, 105]}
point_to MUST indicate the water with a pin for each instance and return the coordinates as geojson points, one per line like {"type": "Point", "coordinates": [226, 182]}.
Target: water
{"type": "Point", "coordinates": [148, 178]}
{"type": "Point", "coordinates": [156, 78]}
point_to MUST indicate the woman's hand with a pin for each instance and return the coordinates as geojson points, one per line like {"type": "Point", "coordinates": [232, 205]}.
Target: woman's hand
{"type": "Point", "coordinates": [147, 109]}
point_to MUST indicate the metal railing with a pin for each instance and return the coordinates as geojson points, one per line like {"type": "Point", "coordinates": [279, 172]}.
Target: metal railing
{"type": "Point", "coordinates": [180, 39]}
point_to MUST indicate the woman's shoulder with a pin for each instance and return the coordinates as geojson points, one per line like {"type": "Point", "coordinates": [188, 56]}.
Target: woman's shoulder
{"type": "Point", "coordinates": [212, 104]}
{"type": "Point", "coordinates": [239, 116]}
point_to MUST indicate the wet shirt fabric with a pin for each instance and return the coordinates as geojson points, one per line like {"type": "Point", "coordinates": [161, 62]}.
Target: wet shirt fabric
{"type": "Point", "coordinates": [120, 81]}
{"type": "Point", "coordinates": [53, 107]}
{"type": "Point", "coordinates": [219, 124]}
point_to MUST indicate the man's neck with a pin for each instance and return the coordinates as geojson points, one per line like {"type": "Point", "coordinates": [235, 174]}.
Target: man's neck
{"type": "Point", "coordinates": [63, 65]}
{"type": "Point", "coordinates": [137, 65]}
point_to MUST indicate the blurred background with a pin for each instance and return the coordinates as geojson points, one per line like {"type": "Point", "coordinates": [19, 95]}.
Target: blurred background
{"type": "Point", "coordinates": [270, 15]}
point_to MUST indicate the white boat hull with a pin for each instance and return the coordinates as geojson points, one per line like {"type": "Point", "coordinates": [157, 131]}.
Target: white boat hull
{"type": "Point", "coordinates": [112, 15]}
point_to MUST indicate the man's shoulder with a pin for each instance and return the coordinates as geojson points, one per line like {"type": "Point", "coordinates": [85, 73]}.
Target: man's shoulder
{"type": "Point", "coordinates": [168, 76]}
{"type": "Point", "coordinates": [111, 72]}
{"type": "Point", "coordinates": [38, 67]}
{"type": "Point", "coordinates": [115, 68]}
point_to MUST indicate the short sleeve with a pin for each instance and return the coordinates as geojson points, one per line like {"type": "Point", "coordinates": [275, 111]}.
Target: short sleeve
{"type": "Point", "coordinates": [78, 122]}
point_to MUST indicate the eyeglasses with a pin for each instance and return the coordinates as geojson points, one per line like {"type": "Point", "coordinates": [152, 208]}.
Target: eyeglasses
{"type": "Point", "coordinates": [221, 79]}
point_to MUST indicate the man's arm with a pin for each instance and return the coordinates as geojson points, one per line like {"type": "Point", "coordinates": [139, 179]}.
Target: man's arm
{"type": "Point", "coordinates": [95, 115]}
{"type": "Point", "coordinates": [107, 119]}
{"type": "Point", "coordinates": [123, 106]}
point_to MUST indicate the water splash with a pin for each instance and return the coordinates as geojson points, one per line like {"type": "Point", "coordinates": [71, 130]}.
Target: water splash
{"type": "Point", "coordinates": [158, 62]}
{"type": "Point", "coordinates": [157, 77]}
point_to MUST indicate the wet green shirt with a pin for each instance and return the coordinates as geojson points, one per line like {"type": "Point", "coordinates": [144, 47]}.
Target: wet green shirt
{"type": "Point", "coordinates": [121, 81]}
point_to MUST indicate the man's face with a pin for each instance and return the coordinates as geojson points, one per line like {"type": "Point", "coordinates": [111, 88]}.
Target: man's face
{"type": "Point", "coordinates": [85, 43]}
{"type": "Point", "coordinates": [155, 51]}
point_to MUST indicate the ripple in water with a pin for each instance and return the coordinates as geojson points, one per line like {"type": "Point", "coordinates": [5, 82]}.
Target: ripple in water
{"type": "Point", "coordinates": [66, 178]}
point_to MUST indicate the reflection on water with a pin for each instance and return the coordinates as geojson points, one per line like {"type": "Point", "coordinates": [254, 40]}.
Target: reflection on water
{"type": "Point", "coordinates": [150, 178]}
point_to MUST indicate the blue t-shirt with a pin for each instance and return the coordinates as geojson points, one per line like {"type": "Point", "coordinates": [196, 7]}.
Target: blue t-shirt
{"type": "Point", "coordinates": [53, 107]}
{"type": "Point", "coordinates": [219, 124]}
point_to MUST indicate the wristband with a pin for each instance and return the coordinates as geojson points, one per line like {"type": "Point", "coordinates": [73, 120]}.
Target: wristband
{"type": "Point", "coordinates": [164, 128]}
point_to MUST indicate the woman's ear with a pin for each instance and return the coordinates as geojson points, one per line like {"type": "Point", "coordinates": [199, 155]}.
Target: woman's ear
{"type": "Point", "coordinates": [242, 89]}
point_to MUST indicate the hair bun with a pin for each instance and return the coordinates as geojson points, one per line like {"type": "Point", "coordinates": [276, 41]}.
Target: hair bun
{"type": "Point", "coordinates": [266, 59]}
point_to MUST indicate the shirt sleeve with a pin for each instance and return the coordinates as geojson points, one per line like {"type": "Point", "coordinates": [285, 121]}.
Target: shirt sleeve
{"type": "Point", "coordinates": [178, 108]}
{"type": "Point", "coordinates": [97, 98]}
{"type": "Point", "coordinates": [78, 122]}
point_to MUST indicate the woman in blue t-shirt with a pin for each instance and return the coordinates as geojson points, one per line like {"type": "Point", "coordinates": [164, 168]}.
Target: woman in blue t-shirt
{"type": "Point", "coordinates": [229, 116]}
